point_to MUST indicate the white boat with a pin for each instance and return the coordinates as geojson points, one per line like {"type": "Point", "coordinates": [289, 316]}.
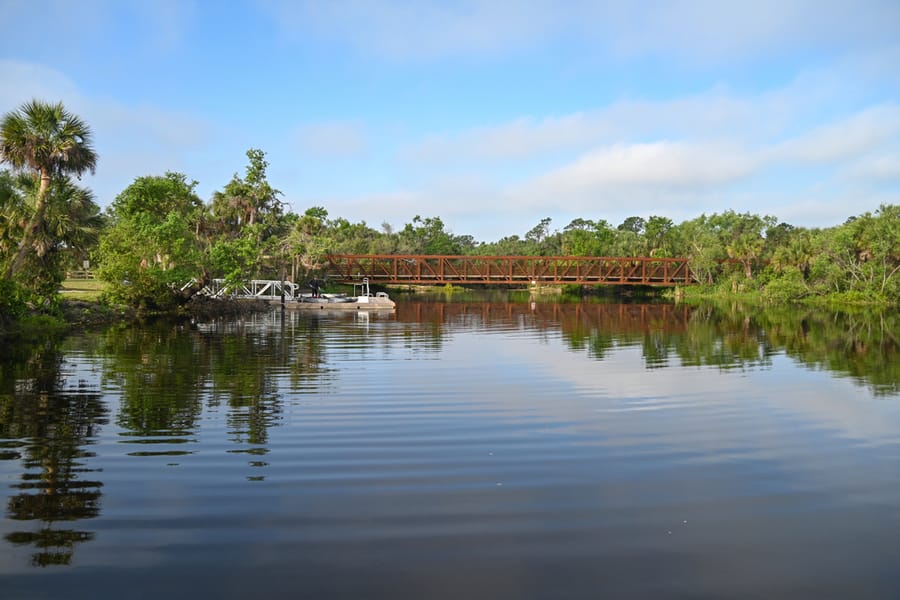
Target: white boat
{"type": "Point", "coordinates": [363, 300]}
{"type": "Point", "coordinates": [326, 298]}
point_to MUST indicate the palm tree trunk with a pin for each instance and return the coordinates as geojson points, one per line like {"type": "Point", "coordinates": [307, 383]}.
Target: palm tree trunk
{"type": "Point", "coordinates": [40, 209]}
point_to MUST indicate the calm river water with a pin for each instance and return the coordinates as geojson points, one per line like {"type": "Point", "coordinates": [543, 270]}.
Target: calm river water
{"type": "Point", "coordinates": [457, 450]}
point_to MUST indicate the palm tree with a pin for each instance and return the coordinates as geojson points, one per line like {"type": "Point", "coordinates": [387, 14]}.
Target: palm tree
{"type": "Point", "coordinates": [48, 141]}
{"type": "Point", "coordinates": [72, 220]}
{"type": "Point", "coordinates": [70, 227]}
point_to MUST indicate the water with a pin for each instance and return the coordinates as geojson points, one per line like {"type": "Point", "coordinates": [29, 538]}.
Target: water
{"type": "Point", "coordinates": [457, 450]}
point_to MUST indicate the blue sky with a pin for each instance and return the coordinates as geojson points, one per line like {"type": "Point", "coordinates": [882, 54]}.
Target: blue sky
{"type": "Point", "coordinates": [488, 114]}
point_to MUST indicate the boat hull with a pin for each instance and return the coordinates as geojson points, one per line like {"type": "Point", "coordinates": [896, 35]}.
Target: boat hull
{"type": "Point", "coordinates": [379, 302]}
{"type": "Point", "coordinates": [351, 306]}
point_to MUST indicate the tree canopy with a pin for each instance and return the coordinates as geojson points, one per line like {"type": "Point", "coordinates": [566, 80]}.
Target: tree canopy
{"type": "Point", "coordinates": [49, 142]}
{"type": "Point", "coordinates": [159, 242]}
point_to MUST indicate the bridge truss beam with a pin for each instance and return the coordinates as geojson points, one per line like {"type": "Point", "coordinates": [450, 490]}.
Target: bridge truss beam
{"type": "Point", "coordinates": [509, 270]}
{"type": "Point", "coordinates": [256, 289]}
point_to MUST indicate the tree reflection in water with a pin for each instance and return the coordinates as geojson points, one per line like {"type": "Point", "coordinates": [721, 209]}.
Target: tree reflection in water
{"type": "Point", "coordinates": [167, 375]}
{"type": "Point", "coordinates": [862, 344]}
{"type": "Point", "coordinates": [47, 424]}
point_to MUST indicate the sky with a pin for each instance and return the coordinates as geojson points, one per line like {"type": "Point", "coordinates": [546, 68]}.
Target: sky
{"type": "Point", "coordinates": [489, 114]}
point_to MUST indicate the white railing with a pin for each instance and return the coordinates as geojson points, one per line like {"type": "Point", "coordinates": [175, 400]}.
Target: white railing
{"type": "Point", "coordinates": [259, 289]}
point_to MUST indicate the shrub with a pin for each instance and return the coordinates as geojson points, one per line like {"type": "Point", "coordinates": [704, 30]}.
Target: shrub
{"type": "Point", "coordinates": [786, 287]}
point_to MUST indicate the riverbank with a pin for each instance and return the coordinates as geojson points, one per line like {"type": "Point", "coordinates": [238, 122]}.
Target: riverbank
{"type": "Point", "coordinates": [71, 314]}
{"type": "Point", "coordinates": [770, 297]}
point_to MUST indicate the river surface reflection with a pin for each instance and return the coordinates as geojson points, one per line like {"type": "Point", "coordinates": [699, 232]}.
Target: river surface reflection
{"type": "Point", "coordinates": [457, 450]}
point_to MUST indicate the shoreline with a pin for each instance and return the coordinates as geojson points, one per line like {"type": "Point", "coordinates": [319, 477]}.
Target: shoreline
{"type": "Point", "coordinates": [93, 313]}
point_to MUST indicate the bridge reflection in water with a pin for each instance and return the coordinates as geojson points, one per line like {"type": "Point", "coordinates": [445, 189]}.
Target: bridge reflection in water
{"type": "Point", "coordinates": [619, 318]}
{"type": "Point", "coordinates": [509, 270]}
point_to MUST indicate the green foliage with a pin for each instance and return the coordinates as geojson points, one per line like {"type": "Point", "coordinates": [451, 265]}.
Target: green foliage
{"type": "Point", "coordinates": [157, 196]}
{"type": "Point", "coordinates": [787, 286]}
{"type": "Point", "coordinates": [246, 201]}
{"type": "Point", "coordinates": [857, 260]}
{"type": "Point", "coordinates": [47, 140]}
{"type": "Point", "coordinates": [151, 250]}
{"type": "Point", "coordinates": [235, 260]}
{"type": "Point", "coordinates": [66, 232]}
{"type": "Point", "coordinates": [633, 224]}
{"type": "Point", "coordinates": [162, 237]}
{"type": "Point", "coordinates": [12, 302]}
{"type": "Point", "coordinates": [699, 243]}
{"type": "Point", "coordinates": [583, 237]}
{"type": "Point", "coordinates": [316, 212]}
{"type": "Point", "coordinates": [427, 236]}
{"type": "Point", "coordinates": [306, 243]}
{"type": "Point", "coordinates": [658, 236]}
{"type": "Point", "coordinates": [247, 234]}
{"type": "Point", "coordinates": [507, 246]}
{"type": "Point", "coordinates": [50, 144]}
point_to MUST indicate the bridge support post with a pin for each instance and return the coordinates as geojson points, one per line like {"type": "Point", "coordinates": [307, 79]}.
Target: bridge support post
{"type": "Point", "coordinates": [282, 286]}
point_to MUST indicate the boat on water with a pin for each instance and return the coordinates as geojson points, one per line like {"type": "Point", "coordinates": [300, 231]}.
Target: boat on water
{"type": "Point", "coordinates": [362, 300]}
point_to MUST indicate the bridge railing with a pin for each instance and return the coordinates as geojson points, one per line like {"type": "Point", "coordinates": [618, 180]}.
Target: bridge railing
{"type": "Point", "coordinates": [261, 289]}
{"type": "Point", "coordinates": [508, 270]}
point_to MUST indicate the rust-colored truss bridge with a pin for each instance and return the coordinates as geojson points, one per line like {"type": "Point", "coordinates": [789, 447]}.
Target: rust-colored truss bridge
{"type": "Point", "coordinates": [508, 270]}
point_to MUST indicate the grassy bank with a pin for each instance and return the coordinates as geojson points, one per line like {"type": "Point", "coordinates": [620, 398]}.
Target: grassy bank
{"type": "Point", "coordinates": [765, 296]}
{"type": "Point", "coordinates": [88, 290]}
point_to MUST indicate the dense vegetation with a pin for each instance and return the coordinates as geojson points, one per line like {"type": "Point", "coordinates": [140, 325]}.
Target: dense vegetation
{"type": "Point", "coordinates": [158, 242]}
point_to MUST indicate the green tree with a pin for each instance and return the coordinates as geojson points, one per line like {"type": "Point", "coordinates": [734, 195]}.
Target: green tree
{"type": "Point", "coordinates": [344, 237]}
{"type": "Point", "coordinates": [862, 256]}
{"type": "Point", "coordinates": [658, 236]}
{"type": "Point", "coordinates": [794, 251]}
{"type": "Point", "coordinates": [583, 237]}
{"type": "Point", "coordinates": [543, 242]}
{"type": "Point", "coordinates": [511, 245]}
{"type": "Point", "coordinates": [151, 249]}
{"type": "Point", "coordinates": [307, 243]}
{"type": "Point", "coordinates": [246, 224]}
{"type": "Point", "coordinates": [246, 201]}
{"type": "Point", "coordinates": [698, 241]}
{"type": "Point", "coordinates": [742, 236]}
{"type": "Point", "coordinates": [427, 236]}
{"type": "Point", "coordinates": [13, 213]}
{"type": "Point", "coordinates": [633, 224]}
{"type": "Point", "coordinates": [69, 228]}
{"type": "Point", "coordinates": [49, 142]}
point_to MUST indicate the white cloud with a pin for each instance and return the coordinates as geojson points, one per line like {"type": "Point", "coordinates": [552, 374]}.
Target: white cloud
{"type": "Point", "coordinates": [812, 117]}
{"type": "Point", "coordinates": [413, 29]}
{"type": "Point", "coordinates": [130, 140]}
{"type": "Point", "coordinates": [793, 151]}
{"type": "Point", "coordinates": [166, 22]}
{"type": "Point", "coordinates": [712, 114]}
{"type": "Point", "coordinates": [450, 198]}
{"type": "Point", "coordinates": [519, 139]}
{"type": "Point", "coordinates": [395, 207]}
{"type": "Point", "coordinates": [847, 138]}
{"type": "Point", "coordinates": [696, 31]}
{"type": "Point", "coordinates": [660, 164]}
{"type": "Point", "coordinates": [880, 168]}
{"type": "Point", "coordinates": [742, 154]}
{"type": "Point", "coordinates": [24, 81]}
{"type": "Point", "coordinates": [713, 32]}
{"type": "Point", "coordinates": [332, 140]}
{"type": "Point", "coordinates": [64, 31]}
{"type": "Point", "coordinates": [820, 209]}
{"type": "Point", "coordinates": [677, 156]}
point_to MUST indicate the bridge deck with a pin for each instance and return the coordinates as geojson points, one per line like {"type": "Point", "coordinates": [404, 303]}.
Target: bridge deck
{"type": "Point", "coordinates": [509, 270]}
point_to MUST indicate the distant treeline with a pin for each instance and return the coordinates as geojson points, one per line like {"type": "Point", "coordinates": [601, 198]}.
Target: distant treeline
{"type": "Point", "coordinates": [158, 242]}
